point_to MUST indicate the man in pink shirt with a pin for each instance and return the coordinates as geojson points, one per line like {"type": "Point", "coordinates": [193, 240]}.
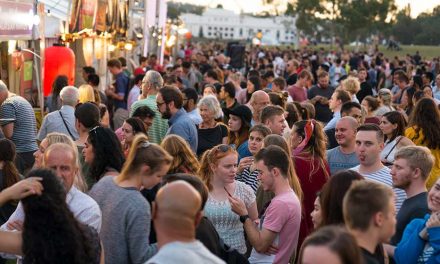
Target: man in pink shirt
{"type": "Point", "coordinates": [276, 237]}
{"type": "Point", "coordinates": [298, 91]}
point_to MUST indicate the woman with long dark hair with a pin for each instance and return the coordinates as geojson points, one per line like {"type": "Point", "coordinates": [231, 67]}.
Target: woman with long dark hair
{"type": "Point", "coordinates": [332, 196]}
{"type": "Point", "coordinates": [51, 233]}
{"type": "Point", "coordinates": [308, 143]}
{"type": "Point", "coordinates": [253, 84]}
{"type": "Point", "coordinates": [103, 153]}
{"type": "Point", "coordinates": [9, 175]}
{"type": "Point", "coordinates": [423, 130]}
{"type": "Point", "coordinates": [239, 124]}
{"type": "Point", "coordinates": [130, 128]}
{"type": "Point", "coordinates": [393, 125]}
{"type": "Point", "coordinates": [53, 101]}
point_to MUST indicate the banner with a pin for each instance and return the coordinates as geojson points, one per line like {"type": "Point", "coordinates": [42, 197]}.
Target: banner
{"type": "Point", "coordinates": [16, 20]}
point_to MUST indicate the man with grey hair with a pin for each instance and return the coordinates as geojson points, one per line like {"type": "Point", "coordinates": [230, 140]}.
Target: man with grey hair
{"type": "Point", "coordinates": [17, 121]}
{"type": "Point", "coordinates": [62, 159]}
{"type": "Point", "coordinates": [258, 101]}
{"type": "Point", "coordinates": [151, 84]}
{"type": "Point", "coordinates": [63, 120]}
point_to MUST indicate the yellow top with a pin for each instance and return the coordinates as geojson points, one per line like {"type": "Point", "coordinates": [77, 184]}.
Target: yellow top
{"type": "Point", "coordinates": [411, 133]}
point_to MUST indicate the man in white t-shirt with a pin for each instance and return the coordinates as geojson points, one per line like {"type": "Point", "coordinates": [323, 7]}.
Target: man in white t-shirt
{"type": "Point", "coordinates": [176, 214]}
{"type": "Point", "coordinates": [369, 145]}
{"type": "Point", "coordinates": [276, 238]}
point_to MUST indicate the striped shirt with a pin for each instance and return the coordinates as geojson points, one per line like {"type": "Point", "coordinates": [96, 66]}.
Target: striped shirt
{"type": "Point", "coordinates": [19, 111]}
{"type": "Point", "coordinates": [159, 128]}
{"type": "Point", "coordinates": [249, 177]}
{"type": "Point", "coordinates": [383, 176]}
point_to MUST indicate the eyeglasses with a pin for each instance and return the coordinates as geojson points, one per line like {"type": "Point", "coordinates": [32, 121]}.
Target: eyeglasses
{"type": "Point", "coordinates": [159, 104]}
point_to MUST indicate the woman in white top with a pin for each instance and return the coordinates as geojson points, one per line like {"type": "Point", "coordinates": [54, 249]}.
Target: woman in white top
{"type": "Point", "coordinates": [393, 126]}
{"type": "Point", "coordinates": [218, 170]}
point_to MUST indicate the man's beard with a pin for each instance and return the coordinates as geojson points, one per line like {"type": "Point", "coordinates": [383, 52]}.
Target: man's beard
{"type": "Point", "coordinates": [166, 114]}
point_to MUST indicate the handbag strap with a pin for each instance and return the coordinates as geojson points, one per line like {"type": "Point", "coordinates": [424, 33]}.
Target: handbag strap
{"type": "Point", "coordinates": [391, 150]}
{"type": "Point", "coordinates": [65, 124]}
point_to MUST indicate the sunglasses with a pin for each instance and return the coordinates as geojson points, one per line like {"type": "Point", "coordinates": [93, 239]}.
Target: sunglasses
{"type": "Point", "coordinates": [144, 144]}
{"type": "Point", "coordinates": [94, 130]}
{"type": "Point", "coordinates": [224, 148]}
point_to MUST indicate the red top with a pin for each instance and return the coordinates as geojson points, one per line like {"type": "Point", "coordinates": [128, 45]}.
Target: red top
{"type": "Point", "coordinates": [311, 178]}
{"type": "Point", "coordinates": [298, 94]}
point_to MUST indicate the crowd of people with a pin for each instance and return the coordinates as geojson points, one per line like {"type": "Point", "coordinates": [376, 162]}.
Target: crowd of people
{"type": "Point", "coordinates": [299, 156]}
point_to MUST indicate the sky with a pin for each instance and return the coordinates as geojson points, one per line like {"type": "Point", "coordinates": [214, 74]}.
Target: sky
{"type": "Point", "coordinates": [252, 6]}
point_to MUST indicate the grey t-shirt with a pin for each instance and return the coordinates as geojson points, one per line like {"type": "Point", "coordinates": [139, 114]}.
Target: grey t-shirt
{"type": "Point", "coordinates": [339, 161]}
{"type": "Point", "coordinates": [126, 221]}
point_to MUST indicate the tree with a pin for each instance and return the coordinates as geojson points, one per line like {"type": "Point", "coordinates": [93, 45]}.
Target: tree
{"type": "Point", "coordinates": [307, 10]}
{"type": "Point", "coordinates": [361, 18]}
{"type": "Point", "coordinates": [422, 30]}
{"type": "Point", "coordinates": [349, 19]}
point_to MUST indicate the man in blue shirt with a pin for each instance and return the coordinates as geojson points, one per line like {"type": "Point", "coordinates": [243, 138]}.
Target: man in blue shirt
{"type": "Point", "coordinates": [169, 103]}
{"type": "Point", "coordinates": [118, 92]}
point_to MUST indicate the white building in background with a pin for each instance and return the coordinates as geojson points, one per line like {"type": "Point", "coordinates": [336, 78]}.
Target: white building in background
{"type": "Point", "coordinates": [225, 24]}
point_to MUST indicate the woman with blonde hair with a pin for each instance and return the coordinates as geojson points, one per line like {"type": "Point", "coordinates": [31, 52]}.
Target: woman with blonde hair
{"type": "Point", "coordinates": [385, 100]}
{"type": "Point", "coordinates": [127, 213]}
{"type": "Point", "coordinates": [218, 168]}
{"type": "Point", "coordinates": [51, 139]}
{"type": "Point", "coordinates": [86, 93]}
{"type": "Point", "coordinates": [352, 86]}
{"type": "Point", "coordinates": [184, 159]}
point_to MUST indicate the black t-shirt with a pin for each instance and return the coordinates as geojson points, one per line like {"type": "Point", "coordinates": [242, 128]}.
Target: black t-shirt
{"type": "Point", "coordinates": [364, 91]}
{"type": "Point", "coordinates": [291, 79]}
{"type": "Point", "coordinates": [414, 207]}
{"type": "Point", "coordinates": [323, 112]}
{"type": "Point", "coordinates": [368, 257]}
{"type": "Point", "coordinates": [207, 234]}
{"type": "Point", "coordinates": [377, 258]}
{"type": "Point", "coordinates": [210, 137]}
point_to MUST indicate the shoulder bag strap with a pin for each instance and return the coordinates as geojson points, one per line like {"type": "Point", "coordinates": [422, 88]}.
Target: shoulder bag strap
{"type": "Point", "coordinates": [65, 124]}
{"type": "Point", "coordinates": [391, 150]}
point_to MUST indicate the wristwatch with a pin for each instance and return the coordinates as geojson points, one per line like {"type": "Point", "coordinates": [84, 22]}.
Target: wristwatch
{"type": "Point", "coordinates": [243, 218]}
